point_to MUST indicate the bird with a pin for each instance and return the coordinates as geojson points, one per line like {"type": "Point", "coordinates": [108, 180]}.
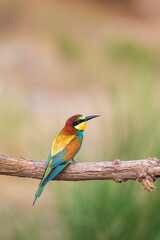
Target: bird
{"type": "Point", "coordinates": [64, 148]}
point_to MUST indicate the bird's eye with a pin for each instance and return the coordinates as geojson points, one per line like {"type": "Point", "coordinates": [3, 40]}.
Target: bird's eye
{"type": "Point", "coordinates": [77, 122]}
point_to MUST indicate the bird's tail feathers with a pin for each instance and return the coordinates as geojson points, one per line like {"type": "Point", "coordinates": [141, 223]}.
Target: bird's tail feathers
{"type": "Point", "coordinates": [40, 190]}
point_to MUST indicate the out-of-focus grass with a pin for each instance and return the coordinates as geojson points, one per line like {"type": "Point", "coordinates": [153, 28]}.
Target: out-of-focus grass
{"type": "Point", "coordinates": [105, 210]}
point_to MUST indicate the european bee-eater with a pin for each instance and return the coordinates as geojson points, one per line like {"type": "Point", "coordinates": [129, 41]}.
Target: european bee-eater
{"type": "Point", "coordinates": [65, 146]}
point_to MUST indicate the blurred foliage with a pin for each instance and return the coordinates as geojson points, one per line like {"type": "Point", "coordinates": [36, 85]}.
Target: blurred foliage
{"type": "Point", "coordinates": [103, 210]}
{"type": "Point", "coordinates": [134, 54]}
{"type": "Point", "coordinates": [68, 47]}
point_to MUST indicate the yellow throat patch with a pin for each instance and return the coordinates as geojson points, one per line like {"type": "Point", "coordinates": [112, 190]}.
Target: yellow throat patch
{"type": "Point", "coordinates": [81, 126]}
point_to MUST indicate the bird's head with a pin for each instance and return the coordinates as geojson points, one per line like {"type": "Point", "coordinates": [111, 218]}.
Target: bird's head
{"type": "Point", "coordinates": [79, 122]}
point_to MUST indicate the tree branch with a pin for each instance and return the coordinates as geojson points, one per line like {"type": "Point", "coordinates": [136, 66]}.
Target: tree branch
{"type": "Point", "coordinates": [145, 171]}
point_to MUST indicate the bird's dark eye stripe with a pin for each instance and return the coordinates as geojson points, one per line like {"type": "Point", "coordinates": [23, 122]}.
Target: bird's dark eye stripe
{"type": "Point", "coordinates": [77, 122]}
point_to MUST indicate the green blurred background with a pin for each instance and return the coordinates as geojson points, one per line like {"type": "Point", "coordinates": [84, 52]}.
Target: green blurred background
{"type": "Point", "coordinates": [59, 58]}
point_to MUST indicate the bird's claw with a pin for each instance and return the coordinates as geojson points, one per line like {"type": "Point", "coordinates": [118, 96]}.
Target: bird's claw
{"type": "Point", "coordinates": [74, 161]}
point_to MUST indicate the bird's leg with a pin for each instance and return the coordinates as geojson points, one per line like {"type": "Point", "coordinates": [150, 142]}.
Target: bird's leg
{"type": "Point", "coordinates": [73, 161]}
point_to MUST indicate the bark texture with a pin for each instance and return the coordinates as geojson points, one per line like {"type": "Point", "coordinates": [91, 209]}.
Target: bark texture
{"type": "Point", "coordinates": [145, 171]}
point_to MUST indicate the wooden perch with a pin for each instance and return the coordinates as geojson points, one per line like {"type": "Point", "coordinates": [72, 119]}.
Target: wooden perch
{"type": "Point", "coordinates": [145, 171]}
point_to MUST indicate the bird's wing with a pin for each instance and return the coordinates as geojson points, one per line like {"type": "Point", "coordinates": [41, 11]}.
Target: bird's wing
{"type": "Point", "coordinates": [66, 154]}
{"type": "Point", "coordinates": [61, 159]}
{"type": "Point", "coordinates": [56, 164]}
{"type": "Point", "coordinates": [60, 142]}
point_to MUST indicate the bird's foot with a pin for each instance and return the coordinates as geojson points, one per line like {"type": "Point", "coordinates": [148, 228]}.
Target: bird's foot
{"type": "Point", "coordinates": [74, 161]}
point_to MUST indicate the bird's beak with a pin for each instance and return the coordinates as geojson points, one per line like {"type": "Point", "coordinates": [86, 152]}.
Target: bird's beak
{"type": "Point", "coordinates": [90, 117]}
